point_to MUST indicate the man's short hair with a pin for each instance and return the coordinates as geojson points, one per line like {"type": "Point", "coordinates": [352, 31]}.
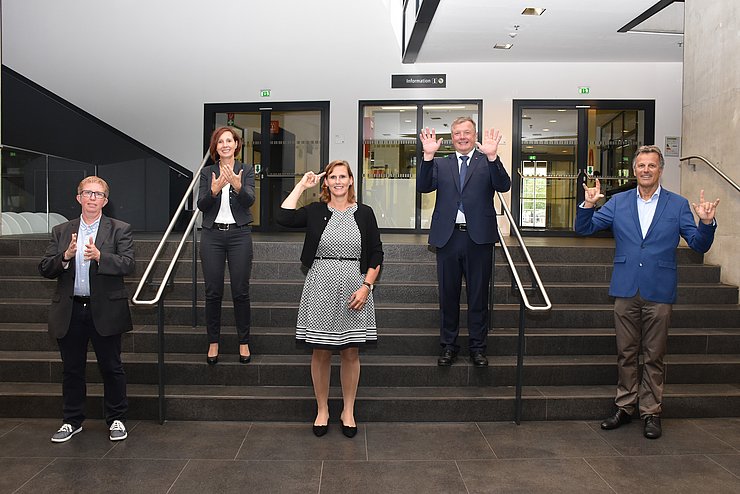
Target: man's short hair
{"type": "Point", "coordinates": [92, 179]}
{"type": "Point", "coordinates": [648, 149]}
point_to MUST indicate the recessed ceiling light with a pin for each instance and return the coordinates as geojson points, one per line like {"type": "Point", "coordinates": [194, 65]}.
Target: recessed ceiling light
{"type": "Point", "coordinates": [530, 147]}
{"type": "Point", "coordinates": [533, 11]}
{"type": "Point", "coordinates": [407, 121]}
{"type": "Point", "coordinates": [583, 106]}
{"type": "Point", "coordinates": [545, 130]}
{"type": "Point", "coordinates": [565, 151]}
{"type": "Point", "coordinates": [525, 116]}
{"type": "Point", "coordinates": [503, 46]}
{"type": "Point", "coordinates": [561, 109]}
{"type": "Point", "coordinates": [553, 121]}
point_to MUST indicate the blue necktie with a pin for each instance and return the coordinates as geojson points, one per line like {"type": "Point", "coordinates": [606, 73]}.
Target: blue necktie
{"type": "Point", "coordinates": [463, 172]}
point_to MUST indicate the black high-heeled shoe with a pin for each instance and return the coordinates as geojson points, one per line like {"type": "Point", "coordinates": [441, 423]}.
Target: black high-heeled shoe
{"type": "Point", "coordinates": [320, 430]}
{"type": "Point", "coordinates": [348, 431]}
{"type": "Point", "coordinates": [212, 360]}
{"type": "Point", "coordinates": [245, 360]}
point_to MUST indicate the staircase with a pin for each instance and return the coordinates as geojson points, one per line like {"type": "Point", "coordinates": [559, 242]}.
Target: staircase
{"type": "Point", "coordinates": [569, 373]}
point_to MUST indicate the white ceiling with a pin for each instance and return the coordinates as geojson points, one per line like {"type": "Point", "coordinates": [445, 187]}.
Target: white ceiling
{"type": "Point", "coordinates": [568, 30]}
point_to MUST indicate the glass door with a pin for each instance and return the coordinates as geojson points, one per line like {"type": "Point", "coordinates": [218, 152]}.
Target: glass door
{"type": "Point", "coordinates": [283, 142]}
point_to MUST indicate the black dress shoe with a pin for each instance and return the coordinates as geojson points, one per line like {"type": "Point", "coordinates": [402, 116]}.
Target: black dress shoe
{"type": "Point", "coordinates": [320, 430]}
{"type": "Point", "coordinates": [349, 431]}
{"type": "Point", "coordinates": [212, 360]}
{"type": "Point", "coordinates": [479, 359]}
{"type": "Point", "coordinates": [652, 427]}
{"type": "Point", "coordinates": [245, 360]}
{"type": "Point", "coordinates": [619, 418]}
{"type": "Point", "coordinates": [446, 358]}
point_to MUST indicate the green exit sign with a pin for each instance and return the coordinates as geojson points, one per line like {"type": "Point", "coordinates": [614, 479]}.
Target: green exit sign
{"type": "Point", "coordinates": [584, 89]}
{"type": "Point", "coordinates": [532, 157]}
{"type": "Point", "coordinates": [265, 93]}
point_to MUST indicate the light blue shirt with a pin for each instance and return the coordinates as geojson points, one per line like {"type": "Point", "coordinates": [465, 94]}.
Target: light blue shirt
{"type": "Point", "coordinates": [646, 209]}
{"type": "Point", "coordinates": [82, 266]}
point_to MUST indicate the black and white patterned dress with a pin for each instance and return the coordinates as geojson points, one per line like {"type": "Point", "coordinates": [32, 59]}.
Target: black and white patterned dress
{"type": "Point", "coordinates": [324, 317]}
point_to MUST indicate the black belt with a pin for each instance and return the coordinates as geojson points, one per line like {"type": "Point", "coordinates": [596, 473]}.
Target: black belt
{"type": "Point", "coordinates": [81, 300]}
{"type": "Point", "coordinates": [224, 226]}
{"type": "Point", "coordinates": [337, 258]}
{"type": "Point", "coordinates": [461, 226]}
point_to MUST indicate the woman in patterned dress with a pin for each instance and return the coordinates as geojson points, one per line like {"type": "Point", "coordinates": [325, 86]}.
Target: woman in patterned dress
{"type": "Point", "coordinates": [343, 250]}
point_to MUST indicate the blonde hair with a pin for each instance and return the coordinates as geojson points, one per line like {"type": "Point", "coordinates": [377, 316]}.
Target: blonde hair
{"type": "Point", "coordinates": [92, 179]}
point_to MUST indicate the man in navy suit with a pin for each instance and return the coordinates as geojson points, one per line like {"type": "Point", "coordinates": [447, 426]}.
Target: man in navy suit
{"type": "Point", "coordinates": [647, 226]}
{"type": "Point", "coordinates": [89, 256]}
{"type": "Point", "coordinates": [463, 229]}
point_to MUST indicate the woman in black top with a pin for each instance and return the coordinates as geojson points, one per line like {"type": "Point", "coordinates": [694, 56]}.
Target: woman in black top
{"type": "Point", "coordinates": [225, 196]}
{"type": "Point", "coordinates": [337, 313]}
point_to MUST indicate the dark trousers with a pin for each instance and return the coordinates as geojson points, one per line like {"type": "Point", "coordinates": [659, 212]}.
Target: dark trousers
{"type": "Point", "coordinates": [463, 257]}
{"type": "Point", "coordinates": [73, 348]}
{"type": "Point", "coordinates": [216, 248]}
{"type": "Point", "coordinates": [641, 327]}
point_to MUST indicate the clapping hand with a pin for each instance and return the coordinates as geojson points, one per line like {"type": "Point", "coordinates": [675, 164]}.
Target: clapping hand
{"type": "Point", "coordinates": [71, 251]}
{"type": "Point", "coordinates": [218, 183]}
{"type": "Point", "coordinates": [491, 140]}
{"type": "Point", "coordinates": [235, 179]}
{"type": "Point", "coordinates": [593, 194]}
{"type": "Point", "coordinates": [91, 251]}
{"type": "Point", "coordinates": [705, 210]}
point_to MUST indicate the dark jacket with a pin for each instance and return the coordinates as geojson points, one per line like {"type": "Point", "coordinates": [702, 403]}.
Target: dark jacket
{"type": "Point", "coordinates": [108, 294]}
{"type": "Point", "coordinates": [314, 218]}
{"type": "Point", "coordinates": [240, 203]}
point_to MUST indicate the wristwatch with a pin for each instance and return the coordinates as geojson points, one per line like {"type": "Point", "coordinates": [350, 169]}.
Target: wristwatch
{"type": "Point", "coordinates": [370, 286]}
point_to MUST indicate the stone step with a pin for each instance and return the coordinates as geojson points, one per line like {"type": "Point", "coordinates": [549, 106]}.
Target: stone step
{"type": "Point", "coordinates": [392, 341]}
{"type": "Point", "coordinates": [377, 370]}
{"type": "Point", "coordinates": [424, 404]}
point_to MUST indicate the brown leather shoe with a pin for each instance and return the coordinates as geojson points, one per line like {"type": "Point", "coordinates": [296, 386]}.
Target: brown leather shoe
{"type": "Point", "coordinates": [619, 418]}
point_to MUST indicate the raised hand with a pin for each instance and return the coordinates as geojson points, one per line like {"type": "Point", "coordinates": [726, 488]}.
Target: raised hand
{"type": "Point", "coordinates": [310, 179]}
{"type": "Point", "coordinates": [71, 251]}
{"type": "Point", "coordinates": [705, 210]}
{"type": "Point", "coordinates": [491, 139]}
{"type": "Point", "coordinates": [235, 180]}
{"type": "Point", "coordinates": [593, 194]}
{"type": "Point", "coordinates": [429, 143]}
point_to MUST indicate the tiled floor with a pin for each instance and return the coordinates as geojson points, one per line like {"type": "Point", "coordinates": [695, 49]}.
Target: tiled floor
{"type": "Point", "coordinates": [693, 456]}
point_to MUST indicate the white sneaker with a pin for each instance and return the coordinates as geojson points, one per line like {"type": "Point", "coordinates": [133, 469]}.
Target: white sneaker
{"type": "Point", "coordinates": [65, 433]}
{"type": "Point", "coordinates": [118, 431]}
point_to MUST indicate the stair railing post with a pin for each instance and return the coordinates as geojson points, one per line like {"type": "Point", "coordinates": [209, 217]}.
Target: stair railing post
{"type": "Point", "coordinates": [519, 365]}
{"type": "Point", "coordinates": [194, 312]}
{"type": "Point", "coordinates": [160, 360]}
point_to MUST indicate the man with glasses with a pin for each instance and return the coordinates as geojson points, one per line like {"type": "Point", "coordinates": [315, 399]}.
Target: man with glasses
{"type": "Point", "coordinates": [89, 256]}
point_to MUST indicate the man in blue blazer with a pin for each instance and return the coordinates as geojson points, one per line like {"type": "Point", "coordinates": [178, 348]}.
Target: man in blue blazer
{"type": "Point", "coordinates": [647, 226]}
{"type": "Point", "coordinates": [463, 229]}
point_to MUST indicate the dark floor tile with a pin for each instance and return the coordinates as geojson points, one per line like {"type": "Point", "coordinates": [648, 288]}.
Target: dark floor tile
{"type": "Point", "coordinates": [205, 440]}
{"type": "Point", "coordinates": [566, 475]}
{"type": "Point", "coordinates": [32, 438]}
{"type": "Point", "coordinates": [111, 476]}
{"type": "Point", "coordinates": [220, 476]}
{"type": "Point", "coordinates": [665, 474]}
{"type": "Point", "coordinates": [727, 429]}
{"type": "Point", "coordinates": [438, 441]}
{"type": "Point", "coordinates": [271, 441]}
{"type": "Point", "coordinates": [17, 471]}
{"type": "Point", "coordinates": [544, 440]}
{"type": "Point", "coordinates": [680, 437]}
{"type": "Point", "coordinates": [389, 477]}
{"type": "Point", "coordinates": [7, 425]}
{"type": "Point", "coordinates": [729, 462]}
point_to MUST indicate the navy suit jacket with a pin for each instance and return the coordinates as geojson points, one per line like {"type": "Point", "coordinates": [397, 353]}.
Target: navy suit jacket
{"type": "Point", "coordinates": [483, 179]}
{"type": "Point", "coordinates": [108, 294]}
{"type": "Point", "coordinates": [649, 264]}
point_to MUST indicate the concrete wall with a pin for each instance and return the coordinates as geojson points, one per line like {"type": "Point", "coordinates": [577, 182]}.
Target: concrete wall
{"type": "Point", "coordinates": [147, 68]}
{"type": "Point", "coordinates": [711, 119]}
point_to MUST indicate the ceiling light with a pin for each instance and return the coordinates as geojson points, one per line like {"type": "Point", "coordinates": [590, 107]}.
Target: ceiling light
{"type": "Point", "coordinates": [559, 109]}
{"type": "Point", "coordinates": [545, 130]}
{"type": "Point", "coordinates": [583, 106]}
{"type": "Point", "coordinates": [530, 147]}
{"type": "Point", "coordinates": [553, 121]}
{"type": "Point", "coordinates": [503, 46]}
{"type": "Point", "coordinates": [398, 108]}
{"type": "Point", "coordinates": [565, 151]}
{"type": "Point", "coordinates": [533, 11]}
{"type": "Point", "coordinates": [444, 107]}
{"type": "Point", "coordinates": [407, 121]}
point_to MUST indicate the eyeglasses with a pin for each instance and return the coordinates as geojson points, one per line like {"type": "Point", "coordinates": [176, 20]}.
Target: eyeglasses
{"type": "Point", "coordinates": [92, 193]}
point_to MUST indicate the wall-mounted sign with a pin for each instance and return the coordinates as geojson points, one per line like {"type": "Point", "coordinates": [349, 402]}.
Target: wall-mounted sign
{"type": "Point", "coordinates": [400, 81]}
{"type": "Point", "coordinates": [265, 93]}
{"type": "Point", "coordinates": [672, 146]}
{"type": "Point", "coordinates": [584, 89]}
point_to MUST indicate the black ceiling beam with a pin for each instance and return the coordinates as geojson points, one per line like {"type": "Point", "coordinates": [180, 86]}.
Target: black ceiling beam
{"type": "Point", "coordinates": [419, 32]}
{"type": "Point", "coordinates": [647, 15]}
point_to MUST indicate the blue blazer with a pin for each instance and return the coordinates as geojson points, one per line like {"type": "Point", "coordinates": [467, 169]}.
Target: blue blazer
{"type": "Point", "coordinates": [482, 180]}
{"type": "Point", "coordinates": [649, 264]}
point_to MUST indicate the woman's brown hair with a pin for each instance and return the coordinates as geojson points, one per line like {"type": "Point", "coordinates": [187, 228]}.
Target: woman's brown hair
{"type": "Point", "coordinates": [325, 194]}
{"type": "Point", "coordinates": [217, 135]}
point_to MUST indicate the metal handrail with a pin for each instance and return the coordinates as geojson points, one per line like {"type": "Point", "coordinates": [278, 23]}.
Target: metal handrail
{"type": "Point", "coordinates": [165, 281]}
{"type": "Point", "coordinates": [523, 301]}
{"type": "Point", "coordinates": [713, 167]}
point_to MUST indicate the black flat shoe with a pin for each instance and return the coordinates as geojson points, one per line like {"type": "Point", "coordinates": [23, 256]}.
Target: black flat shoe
{"type": "Point", "coordinates": [212, 360]}
{"type": "Point", "coordinates": [245, 360]}
{"type": "Point", "coordinates": [349, 431]}
{"type": "Point", "coordinates": [320, 430]}
{"type": "Point", "coordinates": [652, 430]}
{"type": "Point", "coordinates": [620, 418]}
{"type": "Point", "coordinates": [479, 359]}
{"type": "Point", "coordinates": [446, 358]}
